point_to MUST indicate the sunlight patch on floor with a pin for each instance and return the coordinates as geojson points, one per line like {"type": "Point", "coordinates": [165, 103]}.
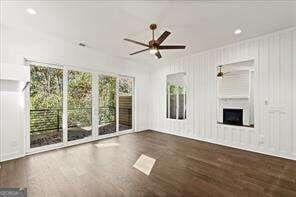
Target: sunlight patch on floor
{"type": "Point", "coordinates": [105, 145]}
{"type": "Point", "coordinates": [144, 164]}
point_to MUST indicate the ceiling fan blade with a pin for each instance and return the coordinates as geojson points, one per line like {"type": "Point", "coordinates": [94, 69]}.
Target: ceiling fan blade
{"type": "Point", "coordinates": [163, 36]}
{"type": "Point", "coordinates": [136, 42]}
{"type": "Point", "coordinates": [139, 51]}
{"type": "Point", "coordinates": [172, 47]}
{"type": "Point", "coordinates": [158, 55]}
{"type": "Point", "coordinates": [225, 73]}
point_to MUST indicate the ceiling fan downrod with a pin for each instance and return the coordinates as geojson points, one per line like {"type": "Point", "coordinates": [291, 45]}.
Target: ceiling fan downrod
{"type": "Point", "coordinates": [153, 26]}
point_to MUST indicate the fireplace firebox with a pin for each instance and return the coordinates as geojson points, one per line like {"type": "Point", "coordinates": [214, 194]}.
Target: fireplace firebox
{"type": "Point", "coordinates": [233, 116]}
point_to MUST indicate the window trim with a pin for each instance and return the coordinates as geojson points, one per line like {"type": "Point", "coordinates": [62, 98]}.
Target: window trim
{"type": "Point", "coordinates": [184, 86]}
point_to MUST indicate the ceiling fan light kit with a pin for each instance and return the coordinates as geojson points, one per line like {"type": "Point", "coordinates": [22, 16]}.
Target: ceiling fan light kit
{"type": "Point", "coordinates": [155, 46]}
{"type": "Point", "coordinates": [153, 50]}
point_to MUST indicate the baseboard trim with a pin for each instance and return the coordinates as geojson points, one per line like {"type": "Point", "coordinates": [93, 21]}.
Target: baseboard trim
{"type": "Point", "coordinates": [241, 147]}
{"type": "Point", "coordinates": [11, 156]}
{"type": "Point", "coordinates": [16, 155]}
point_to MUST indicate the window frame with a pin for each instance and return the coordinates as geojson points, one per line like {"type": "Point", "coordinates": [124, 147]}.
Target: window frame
{"type": "Point", "coordinates": [95, 109]}
{"type": "Point", "coordinates": [168, 95]}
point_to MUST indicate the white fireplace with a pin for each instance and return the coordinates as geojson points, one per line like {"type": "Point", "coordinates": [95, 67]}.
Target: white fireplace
{"type": "Point", "coordinates": [235, 90]}
{"type": "Point", "coordinates": [234, 103]}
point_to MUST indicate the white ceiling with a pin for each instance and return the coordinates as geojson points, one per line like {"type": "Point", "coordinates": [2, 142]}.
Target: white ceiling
{"type": "Point", "coordinates": [103, 25]}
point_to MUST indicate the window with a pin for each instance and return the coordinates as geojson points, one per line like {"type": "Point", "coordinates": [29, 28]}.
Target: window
{"type": "Point", "coordinates": [176, 96]}
{"type": "Point", "coordinates": [72, 105]}
{"type": "Point", "coordinates": [115, 104]}
{"type": "Point", "coordinates": [107, 104]}
{"type": "Point", "coordinates": [46, 101]}
{"type": "Point", "coordinates": [125, 98]}
{"type": "Point", "coordinates": [79, 105]}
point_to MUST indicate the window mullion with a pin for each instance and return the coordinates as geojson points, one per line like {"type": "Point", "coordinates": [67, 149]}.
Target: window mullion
{"type": "Point", "coordinates": [95, 104]}
{"type": "Point", "coordinates": [177, 103]}
{"type": "Point", "coordinates": [117, 104]}
{"type": "Point", "coordinates": [169, 102]}
{"type": "Point", "coordinates": [65, 105]}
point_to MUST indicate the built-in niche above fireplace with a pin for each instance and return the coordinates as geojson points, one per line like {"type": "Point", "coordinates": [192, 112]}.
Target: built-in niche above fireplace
{"type": "Point", "coordinates": [235, 94]}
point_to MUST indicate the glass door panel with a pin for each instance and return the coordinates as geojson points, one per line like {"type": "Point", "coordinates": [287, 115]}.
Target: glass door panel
{"type": "Point", "coordinates": [107, 104]}
{"type": "Point", "coordinates": [46, 100]}
{"type": "Point", "coordinates": [173, 101]}
{"type": "Point", "coordinates": [182, 103]}
{"type": "Point", "coordinates": [79, 105]}
{"type": "Point", "coordinates": [125, 99]}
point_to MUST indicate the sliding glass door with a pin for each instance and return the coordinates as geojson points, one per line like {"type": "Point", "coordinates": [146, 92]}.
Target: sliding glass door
{"type": "Point", "coordinates": [125, 98]}
{"type": "Point", "coordinates": [107, 104]}
{"type": "Point", "coordinates": [79, 105]}
{"type": "Point", "coordinates": [46, 99]}
{"type": "Point", "coordinates": [70, 105]}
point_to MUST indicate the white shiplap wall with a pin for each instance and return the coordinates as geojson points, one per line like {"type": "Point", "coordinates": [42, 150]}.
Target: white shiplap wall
{"type": "Point", "coordinates": [274, 99]}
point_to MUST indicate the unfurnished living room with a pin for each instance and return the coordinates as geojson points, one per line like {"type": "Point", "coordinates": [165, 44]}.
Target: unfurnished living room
{"type": "Point", "coordinates": [148, 98]}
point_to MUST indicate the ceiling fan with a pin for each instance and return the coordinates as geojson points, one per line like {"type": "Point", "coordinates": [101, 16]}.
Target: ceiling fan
{"type": "Point", "coordinates": [154, 46]}
{"type": "Point", "coordinates": [221, 73]}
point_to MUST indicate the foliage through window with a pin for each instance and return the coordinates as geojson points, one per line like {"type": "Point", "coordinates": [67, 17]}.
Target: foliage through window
{"type": "Point", "coordinates": [46, 101]}
{"type": "Point", "coordinates": [51, 86]}
{"type": "Point", "coordinates": [176, 96]}
{"type": "Point", "coordinates": [79, 105]}
{"type": "Point", "coordinates": [107, 104]}
{"type": "Point", "coordinates": [125, 86]}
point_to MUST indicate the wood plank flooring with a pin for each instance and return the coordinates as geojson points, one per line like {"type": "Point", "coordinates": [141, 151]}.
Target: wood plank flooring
{"type": "Point", "coordinates": [183, 167]}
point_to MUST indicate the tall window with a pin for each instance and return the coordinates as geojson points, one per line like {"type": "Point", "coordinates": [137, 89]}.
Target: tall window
{"type": "Point", "coordinates": [46, 100]}
{"type": "Point", "coordinates": [107, 104]}
{"type": "Point", "coordinates": [79, 105]}
{"type": "Point", "coordinates": [176, 96]}
{"type": "Point", "coordinates": [125, 94]}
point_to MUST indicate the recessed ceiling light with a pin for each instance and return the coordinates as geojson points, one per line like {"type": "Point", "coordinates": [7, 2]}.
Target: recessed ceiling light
{"type": "Point", "coordinates": [238, 31]}
{"type": "Point", "coordinates": [31, 11]}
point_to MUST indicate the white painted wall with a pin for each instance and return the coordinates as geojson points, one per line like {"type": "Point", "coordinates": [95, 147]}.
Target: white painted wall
{"type": "Point", "coordinates": [275, 72]}
{"type": "Point", "coordinates": [274, 95]}
{"type": "Point", "coordinates": [12, 105]}
{"type": "Point", "coordinates": [17, 44]}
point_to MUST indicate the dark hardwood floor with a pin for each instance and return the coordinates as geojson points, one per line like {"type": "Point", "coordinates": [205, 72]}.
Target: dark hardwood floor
{"type": "Point", "coordinates": [183, 167]}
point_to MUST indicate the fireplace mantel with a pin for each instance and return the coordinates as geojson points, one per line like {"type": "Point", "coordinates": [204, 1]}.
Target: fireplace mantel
{"type": "Point", "coordinates": [249, 126]}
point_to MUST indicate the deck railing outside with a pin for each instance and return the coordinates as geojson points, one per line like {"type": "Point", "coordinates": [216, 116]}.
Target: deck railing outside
{"type": "Point", "coordinates": [43, 121]}
{"type": "Point", "coordinates": [46, 125]}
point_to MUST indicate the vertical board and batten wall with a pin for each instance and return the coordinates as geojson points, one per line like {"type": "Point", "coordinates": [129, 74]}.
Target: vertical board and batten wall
{"type": "Point", "coordinates": [274, 95]}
